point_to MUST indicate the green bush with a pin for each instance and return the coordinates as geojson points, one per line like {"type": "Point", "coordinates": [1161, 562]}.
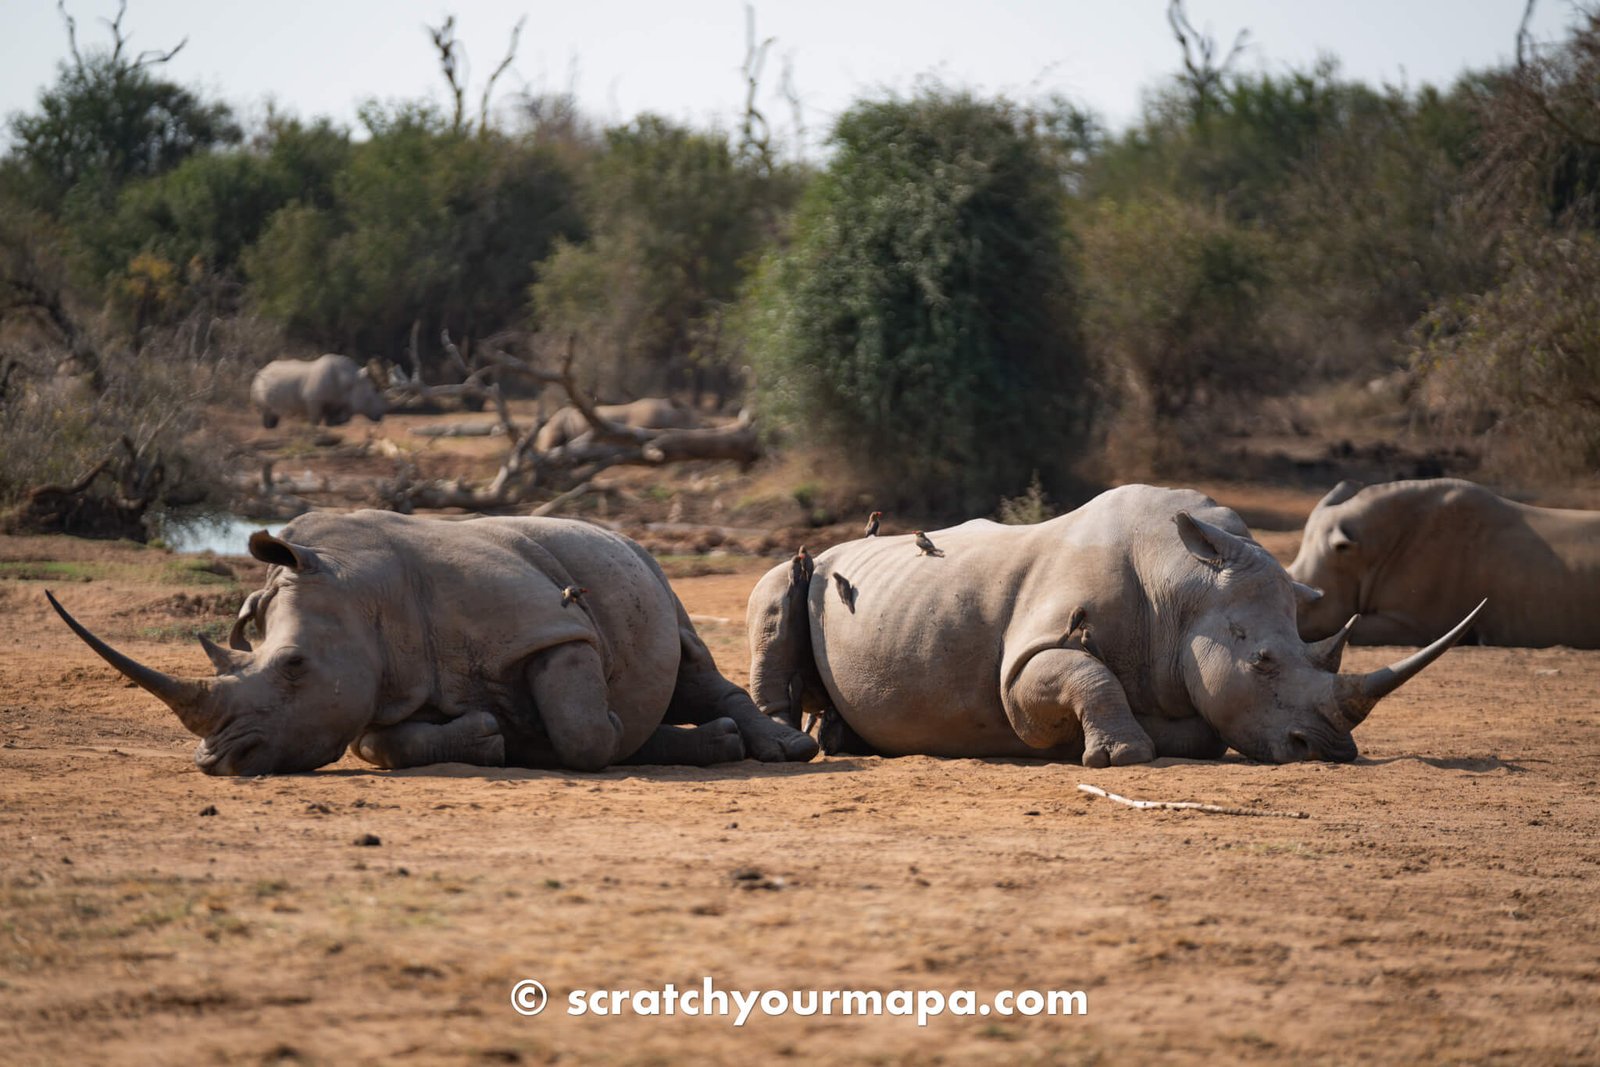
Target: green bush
{"type": "Point", "coordinates": [923, 320]}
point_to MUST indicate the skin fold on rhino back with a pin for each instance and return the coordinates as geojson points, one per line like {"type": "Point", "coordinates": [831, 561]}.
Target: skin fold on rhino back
{"type": "Point", "coordinates": [919, 662]}
{"type": "Point", "coordinates": [1413, 556]}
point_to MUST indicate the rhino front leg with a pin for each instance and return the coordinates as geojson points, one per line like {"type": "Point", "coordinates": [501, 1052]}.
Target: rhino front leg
{"type": "Point", "coordinates": [473, 738]}
{"type": "Point", "coordinates": [569, 690]}
{"type": "Point", "coordinates": [1063, 693]}
{"type": "Point", "coordinates": [717, 741]}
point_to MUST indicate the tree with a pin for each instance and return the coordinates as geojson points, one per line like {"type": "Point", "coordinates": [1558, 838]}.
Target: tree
{"type": "Point", "coordinates": [924, 319]}
{"type": "Point", "coordinates": [108, 120]}
{"type": "Point", "coordinates": [676, 220]}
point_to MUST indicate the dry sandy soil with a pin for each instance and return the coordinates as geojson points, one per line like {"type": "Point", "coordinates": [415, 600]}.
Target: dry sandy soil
{"type": "Point", "coordinates": [1441, 903]}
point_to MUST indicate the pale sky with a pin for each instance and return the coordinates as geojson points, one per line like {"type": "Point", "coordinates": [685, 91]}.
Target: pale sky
{"type": "Point", "coordinates": [681, 58]}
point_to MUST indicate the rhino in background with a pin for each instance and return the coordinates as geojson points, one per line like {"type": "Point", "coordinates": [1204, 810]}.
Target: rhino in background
{"type": "Point", "coordinates": [1146, 623]}
{"type": "Point", "coordinates": [648, 413]}
{"type": "Point", "coordinates": [530, 642]}
{"type": "Point", "coordinates": [1410, 555]}
{"type": "Point", "coordinates": [330, 389]}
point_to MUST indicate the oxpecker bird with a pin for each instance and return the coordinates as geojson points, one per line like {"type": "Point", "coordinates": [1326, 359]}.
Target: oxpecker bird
{"type": "Point", "coordinates": [801, 567]}
{"type": "Point", "coordinates": [872, 524]}
{"type": "Point", "coordinates": [926, 545]}
{"type": "Point", "coordinates": [572, 594]}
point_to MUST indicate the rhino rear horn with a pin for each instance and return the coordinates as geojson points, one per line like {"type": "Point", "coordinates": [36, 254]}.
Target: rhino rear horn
{"type": "Point", "coordinates": [1328, 653]}
{"type": "Point", "coordinates": [190, 698]}
{"type": "Point", "coordinates": [1359, 692]}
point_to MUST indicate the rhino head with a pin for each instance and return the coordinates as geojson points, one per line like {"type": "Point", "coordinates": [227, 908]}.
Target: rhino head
{"type": "Point", "coordinates": [292, 704]}
{"type": "Point", "coordinates": [1269, 694]}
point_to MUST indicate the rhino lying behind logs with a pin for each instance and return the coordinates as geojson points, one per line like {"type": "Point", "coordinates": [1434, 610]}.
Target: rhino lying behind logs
{"type": "Point", "coordinates": [1411, 555]}
{"type": "Point", "coordinates": [1145, 623]}
{"type": "Point", "coordinates": [647, 413]}
{"type": "Point", "coordinates": [424, 641]}
{"type": "Point", "coordinates": [330, 389]}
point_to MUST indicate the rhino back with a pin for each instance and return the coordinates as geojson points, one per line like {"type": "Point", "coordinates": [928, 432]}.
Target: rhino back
{"type": "Point", "coordinates": [1444, 544]}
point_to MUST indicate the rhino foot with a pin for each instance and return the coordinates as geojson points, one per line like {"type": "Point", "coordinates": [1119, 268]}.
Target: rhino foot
{"type": "Point", "coordinates": [771, 741]}
{"type": "Point", "coordinates": [1107, 752]}
{"type": "Point", "coordinates": [717, 741]}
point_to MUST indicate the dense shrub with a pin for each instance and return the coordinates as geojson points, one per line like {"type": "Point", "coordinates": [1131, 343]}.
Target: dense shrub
{"type": "Point", "coordinates": [924, 319]}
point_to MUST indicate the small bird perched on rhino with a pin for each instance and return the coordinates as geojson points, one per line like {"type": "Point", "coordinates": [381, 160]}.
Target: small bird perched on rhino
{"type": "Point", "coordinates": [572, 594]}
{"type": "Point", "coordinates": [872, 524]}
{"type": "Point", "coordinates": [415, 641]}
{"type": "Point", "coordinates": [925, 544]}
{"type": "Point", "coordinates": [801, 567]}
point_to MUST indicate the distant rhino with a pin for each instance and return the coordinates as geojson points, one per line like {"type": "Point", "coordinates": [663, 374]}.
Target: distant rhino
{"type": "Point", "coordinates": [329, 389]}
{"type": "Point", "coordinates": [1146, 623]}
{"type": "Point", "coordinates": [529, 642]}
{"type": "Point", "coordinates": [647, 413]}
{"type": "Point", "coordinates": [1410, 555]}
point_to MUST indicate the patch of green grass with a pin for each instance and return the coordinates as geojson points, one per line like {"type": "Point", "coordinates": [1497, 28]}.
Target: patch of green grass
{"type": "Point", "coordinates": [216, 630]}
{"type": "Point", "coordinates": [660, 493]}
{"type": "Point", "coordinates": [51, 571]}
{"type": "Point", "coordinates": [200, 571]}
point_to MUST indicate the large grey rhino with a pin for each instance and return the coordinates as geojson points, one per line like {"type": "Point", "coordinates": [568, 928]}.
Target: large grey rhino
{"type": "Point", "coordinates": [647, 413]}
{"type": "Point", "coordinates": [1411, 555]}
{"type": "Point", "coordinates": [1145, 623]}
{"type": "Point", "coordinates": [496, 641]}
{"type": "Point", "coordinates": [330, 389]}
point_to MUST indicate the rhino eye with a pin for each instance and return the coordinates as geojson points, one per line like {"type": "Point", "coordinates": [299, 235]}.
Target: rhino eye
{"type": "Point", "coordinates": [1237, 631]}
{"type": "Point", "coordinates": [1263, 663]}
{"type": "Point", "coordinates": [292, 664]}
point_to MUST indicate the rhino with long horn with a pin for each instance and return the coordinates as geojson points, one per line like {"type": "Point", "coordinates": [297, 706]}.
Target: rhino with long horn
{"type": "Point", "coordinates": [1146, 623]}
{"type": "Point", "coordinates": [421, 641]}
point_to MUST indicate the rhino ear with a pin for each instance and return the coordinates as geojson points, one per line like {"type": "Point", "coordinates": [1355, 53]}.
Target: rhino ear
{"type": "Point", "coordinates": [281, 553]}
{"type": "Point", "coordinates": [1212, 545]}
{"type": "Point", "coordinates": [1340, 493]}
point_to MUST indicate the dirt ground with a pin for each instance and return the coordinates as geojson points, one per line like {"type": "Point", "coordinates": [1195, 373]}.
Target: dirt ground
{"type": "Point", "coordinates": [1440, 904]}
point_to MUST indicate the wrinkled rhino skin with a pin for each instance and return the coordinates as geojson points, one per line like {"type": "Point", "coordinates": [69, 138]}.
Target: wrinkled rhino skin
{"type": "Point", "coordinates": [1407, 555]}
{"type": "Point", "coordinates": [328, 390]}
{"type": "Point", "coordinates": [1145, 623]}
{"type": "Point", "coordinates": [420, 641]}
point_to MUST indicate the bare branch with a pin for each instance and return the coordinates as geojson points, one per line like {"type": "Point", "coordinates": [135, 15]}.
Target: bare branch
{"type": "Point", "coordinates": [511, 55]}
{"type": "Point", "coordinates": [452, 59]}
{"type": "Point", "coordinates": [150, 57]}
{"type": "Point", "coordinates": [752, 143]}
{"type": "Point", "coordinates": [1531, 81]}
{"type": "Point", "coordinates": [116, 32]}
{"type": "Point", "coordinates": [72, 33]}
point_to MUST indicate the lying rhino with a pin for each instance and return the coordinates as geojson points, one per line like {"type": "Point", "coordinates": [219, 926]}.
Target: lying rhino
{"type": "Point", "coordinates": [526, 642]}
{"type": "Point", "coordinates": [649, 413]}
{"type": "Point", "coordinates": [1145, 623]}
{"type": "Point", "coordinates": [1411, 555]}
{"type": "Point", "coordinates": [329, 389]}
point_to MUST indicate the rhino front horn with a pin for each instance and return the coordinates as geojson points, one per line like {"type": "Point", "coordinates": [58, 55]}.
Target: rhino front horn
{"type": "Point", "coordinates": [190, 699]}
{"type": "Point", "coordinates": [1359, 692]}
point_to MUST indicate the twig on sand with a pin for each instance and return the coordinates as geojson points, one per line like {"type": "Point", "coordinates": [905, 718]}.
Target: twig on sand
{"type": "Point", "coordinates": [1190, 805]}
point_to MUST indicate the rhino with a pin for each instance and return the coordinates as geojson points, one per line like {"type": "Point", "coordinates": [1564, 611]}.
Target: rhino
{"type": "Point", "coordinates": [534, 642]}
{"type": "Point", "coordinates": [329, 389]}
{"type": "Point", "coordinates": [1410, 555]}
{"type": "Point", "coordinates": [648, 413]}
{"type": "Point", "coordinates": [1146, 623]}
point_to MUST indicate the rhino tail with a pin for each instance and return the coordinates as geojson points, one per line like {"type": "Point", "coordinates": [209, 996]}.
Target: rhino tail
{"type": "Point", "coordinates": [783, 673]}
